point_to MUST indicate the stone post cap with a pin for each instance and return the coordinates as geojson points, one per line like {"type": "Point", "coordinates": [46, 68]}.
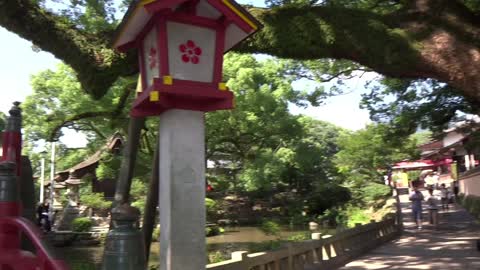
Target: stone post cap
{"type": "Point", "coordinates": [15, 110]}
{"type": "Point", "coordinates": [7, 167]}
{"type": "Point", "coordinates": [125, 212]}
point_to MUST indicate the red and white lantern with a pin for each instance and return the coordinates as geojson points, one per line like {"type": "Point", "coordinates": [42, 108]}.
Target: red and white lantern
{"type": "Point", "coordinates": [181, 45]}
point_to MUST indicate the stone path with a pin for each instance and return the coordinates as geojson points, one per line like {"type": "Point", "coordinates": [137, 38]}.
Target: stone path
{"type": "Point", "coordinates": [452, 245]}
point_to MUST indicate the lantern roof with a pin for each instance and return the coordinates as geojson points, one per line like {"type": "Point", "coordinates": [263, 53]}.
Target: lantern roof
{"type": "Point", "coordinates": [140, 12]}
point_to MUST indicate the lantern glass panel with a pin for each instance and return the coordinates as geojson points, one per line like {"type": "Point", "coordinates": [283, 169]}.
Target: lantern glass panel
{"type": "Point", "coordinates": [191, 52]}
{"type": "Point", "coordinates": [151, 56]}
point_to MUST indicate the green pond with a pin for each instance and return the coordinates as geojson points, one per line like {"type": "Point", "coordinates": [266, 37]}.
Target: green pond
{"type": "Point", "coordinates": [234, 239]}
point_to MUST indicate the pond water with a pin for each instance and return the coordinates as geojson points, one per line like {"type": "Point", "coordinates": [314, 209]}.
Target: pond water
{"type": "Point", "coordinates": [234, 239]}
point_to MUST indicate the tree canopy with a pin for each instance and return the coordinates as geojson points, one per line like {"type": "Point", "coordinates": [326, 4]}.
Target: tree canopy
{"type": "Point", "coordinates": [415, 39]}
{"type": "Point", "coordinates": [259, 148]}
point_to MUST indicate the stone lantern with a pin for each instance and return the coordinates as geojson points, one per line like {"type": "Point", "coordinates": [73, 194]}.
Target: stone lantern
{"type": "Point", "coordinates": [57, 187]}
{"type": "Point", "coordinates": [181, 45]}
{"type": "Point", "coordinates": [73, 183]}
{"type": "Point", "coordinates": [71, 211]}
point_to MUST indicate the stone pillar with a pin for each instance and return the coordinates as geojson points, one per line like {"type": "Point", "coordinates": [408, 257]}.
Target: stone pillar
{"type": "Point", "coordinates": [73, 183]}
{"type": "Point", "coordinates": [182, 190]}
{"type": "Point", "coordinates": [72, 211]}
{"type": "Point", "coordinates": [57, 204]}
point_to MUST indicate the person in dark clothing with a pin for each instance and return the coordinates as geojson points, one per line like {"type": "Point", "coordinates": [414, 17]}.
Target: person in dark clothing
{"type": "Point", "coordinates": [456, 189]}
{"type": "Point", "coordinates": [42, 216]}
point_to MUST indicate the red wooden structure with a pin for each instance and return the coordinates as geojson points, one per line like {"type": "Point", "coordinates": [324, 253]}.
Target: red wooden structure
{"type": "Point", "coordinates": [12, 226]}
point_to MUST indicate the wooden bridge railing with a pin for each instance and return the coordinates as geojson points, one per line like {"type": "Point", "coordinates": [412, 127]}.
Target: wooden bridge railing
{"type": "Point", "coordinates": [326, 253]}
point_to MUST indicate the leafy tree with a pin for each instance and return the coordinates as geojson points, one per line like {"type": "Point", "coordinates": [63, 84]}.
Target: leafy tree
{"type": "Point", "coordinates": [269, 149]}
{"type": "Point", "coordinates": [366, 154]}
{"type": "Point", "coordinates": [415, 39]}
{"type": "Point", "coordinates": [58, 102]}
{"type": "Point", "coordinates": [407, 105]}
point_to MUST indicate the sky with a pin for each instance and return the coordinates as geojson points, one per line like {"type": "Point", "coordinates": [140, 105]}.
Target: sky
{"type": "Point", "coordinates": [19, 62]}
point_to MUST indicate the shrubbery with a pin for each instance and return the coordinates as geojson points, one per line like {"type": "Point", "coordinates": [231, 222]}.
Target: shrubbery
{"type": "Point", "coordinates": [82, 224]}
{"type": "Point", "coordinates": [156, 234]}
{"type": "Point", "coordinates": [95, 201]}
{"type": "Point", "coordinates": [269, 227]}
{"type": "Point", "coordinates": [213, 230]}
{"type": "Point", "coordinates": [211, 207]}
{"type": "Point", "coordinates": [373, 192]}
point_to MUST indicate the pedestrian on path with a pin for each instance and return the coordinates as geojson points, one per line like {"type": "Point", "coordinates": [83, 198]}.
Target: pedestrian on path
{"type": "Point", "coordinates": [456, 189]}
{"type": "Point", "coordinates": [416, 197]}
{"type": "Point", "coordinates": [432, 206]}
{"type": "Point", "coordinates": [444, 192]}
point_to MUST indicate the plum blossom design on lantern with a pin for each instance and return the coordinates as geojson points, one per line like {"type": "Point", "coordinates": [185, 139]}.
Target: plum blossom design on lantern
{"type": "Point", "coordinates": [152, 58]}
{"type": "Point", "coordinates": [190, 52]}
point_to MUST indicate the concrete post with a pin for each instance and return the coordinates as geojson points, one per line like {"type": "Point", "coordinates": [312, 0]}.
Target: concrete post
{"type": "Point", "coordinates": [182, 190]}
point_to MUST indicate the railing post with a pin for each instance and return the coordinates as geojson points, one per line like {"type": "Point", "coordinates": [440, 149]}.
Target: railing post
{"type": "Point", "coordinates": [239, 255]}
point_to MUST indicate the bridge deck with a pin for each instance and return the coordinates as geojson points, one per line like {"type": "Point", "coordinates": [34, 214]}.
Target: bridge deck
{"type": "Point", "coordinates": [452, 245]}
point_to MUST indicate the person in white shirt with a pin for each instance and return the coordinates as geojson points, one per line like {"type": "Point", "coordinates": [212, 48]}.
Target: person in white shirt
{"type": "Point", "coordinates": [432, 206]}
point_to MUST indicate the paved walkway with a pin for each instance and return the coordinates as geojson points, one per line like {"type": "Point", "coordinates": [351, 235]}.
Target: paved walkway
{"type": "Point", "coordinates": [452, 245]}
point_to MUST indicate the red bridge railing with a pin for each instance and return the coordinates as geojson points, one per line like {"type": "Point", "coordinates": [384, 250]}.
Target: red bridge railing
{"type": "Point", "coordinates": [13, 227]}
{"type": "Point", "coordinates": [17, 259]}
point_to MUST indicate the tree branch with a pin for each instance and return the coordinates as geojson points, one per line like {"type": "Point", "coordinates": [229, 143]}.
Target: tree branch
{"type": "Point", "coordinates": [112, 114]}
{"type": "Point", "coordinates": [424, 39]}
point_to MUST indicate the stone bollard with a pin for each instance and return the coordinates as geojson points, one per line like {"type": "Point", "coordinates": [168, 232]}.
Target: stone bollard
{"type": "Point", "coordinates": [316, 236]}
{"type": "Point", "coordinates": [312, 226]}
{"type": "Point", "coordinates": [124, 247]}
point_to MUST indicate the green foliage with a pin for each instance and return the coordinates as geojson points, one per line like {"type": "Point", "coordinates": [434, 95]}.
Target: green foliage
{"type": "Point", "coordinates": [356, 215]}
{"type": "Point", "coordinates": [216, 256]}
{"type": "Point", "coordinates": [300, 237]}
{"type": "Point", "coordinates": [211, 207]}
{"type": "Point", "coordinates": [156, 234]}
{"type": "Point", "coordinates": [366, 155]}
{"type": "Point", "coordinates": [471, 204]}
{"type": "Point", "coordinates": [108, 166]}
{"type": "Point", "coordinates": [58, 101]}
{"type": "Point", "coordinates": [407, 105]}
{"type": "Point", "coordinates": [138, 194]}
{"type": "Point", "coordinates": [325, 197]}
{"type": "Point", "coordinates": [414, 175]}
{"type": "Point", "coordinates": [82, 224]}
{"type": "Point", "coordinates": [94, 200]}
{"type": "Point", "coordinates": [213, 230]}
{"type": "Point", "coordinates": [270, 227]}
{"type": "Point", "coordinates": [373, 192]}
{"type": "Point", "coordinates": [269, 149]}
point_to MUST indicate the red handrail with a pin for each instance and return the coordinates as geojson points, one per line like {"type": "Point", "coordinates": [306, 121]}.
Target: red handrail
{"type": "Point", "coordinates": [46, 259]}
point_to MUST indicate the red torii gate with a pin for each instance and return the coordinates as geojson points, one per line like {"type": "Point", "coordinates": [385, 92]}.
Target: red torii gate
{"type": "Point", "coordinates": [12, 225]}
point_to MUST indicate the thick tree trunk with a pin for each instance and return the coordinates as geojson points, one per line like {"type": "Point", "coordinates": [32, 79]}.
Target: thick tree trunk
{"type": "Point", "coordinates": [129, 157]}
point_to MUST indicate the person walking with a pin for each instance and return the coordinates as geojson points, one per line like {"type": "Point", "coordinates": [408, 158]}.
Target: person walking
{"type": "Point", "coordinates": [432, 206]}
{"type": "Point", "coordinates": [456, 189]}
{"type": "Point", "coordinates": [416, 197]}
{"type": "Point", "coordinates": [42, 216]}
{"type": "Point", "coordinates": [444, 192]}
